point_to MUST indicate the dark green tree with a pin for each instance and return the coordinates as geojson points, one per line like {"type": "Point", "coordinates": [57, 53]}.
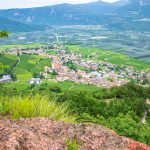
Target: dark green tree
{"type": "Point", "coordinates": [4, 34]}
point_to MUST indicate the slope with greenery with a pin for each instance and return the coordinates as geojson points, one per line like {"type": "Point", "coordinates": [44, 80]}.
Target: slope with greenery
{"type": "Point", "coordinates": [7, 62]}
{"type": "Point", "coordinates": [30, 65]}
{"type": "Point", "coordinates": [112, 57]}
{"type": "Point", "coordinates": [34, 106]}
{"type": "Point", "coordinates": [119, 108]}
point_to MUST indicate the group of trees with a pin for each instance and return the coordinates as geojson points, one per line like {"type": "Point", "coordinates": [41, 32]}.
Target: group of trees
{"type": "Point", "coordinates": [119, 108]}
{"type": "Point", "coordinates": [4, 34]}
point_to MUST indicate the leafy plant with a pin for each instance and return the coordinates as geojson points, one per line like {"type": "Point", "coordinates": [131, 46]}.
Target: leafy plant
{"type": "Point", "coordinates": [72, 144]}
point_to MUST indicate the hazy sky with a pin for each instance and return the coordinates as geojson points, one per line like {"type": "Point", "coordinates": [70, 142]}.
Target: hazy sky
{"type": "Point", "coordinates": [33, 3]}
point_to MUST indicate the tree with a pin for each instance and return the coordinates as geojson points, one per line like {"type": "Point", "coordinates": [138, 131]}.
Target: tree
{"type": "Point", "coordinates": [4, 34]}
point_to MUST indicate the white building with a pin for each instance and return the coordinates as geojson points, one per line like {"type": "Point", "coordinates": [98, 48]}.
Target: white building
{"type": "Point", "coordinates": [5, 78]}
{"type": "Point", "coordinates": [35, 81]}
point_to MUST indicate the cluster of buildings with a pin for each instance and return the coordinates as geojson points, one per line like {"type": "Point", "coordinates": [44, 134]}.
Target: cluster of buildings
{"type": "Point", "coordinates": [87, 71]}
{"type": "Point", "coordinates": [97, 73]}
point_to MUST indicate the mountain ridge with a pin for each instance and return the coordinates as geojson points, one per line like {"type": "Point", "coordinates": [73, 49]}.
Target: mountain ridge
{"type": "Point", "coordinates": [110, 15]}
{"type": "Point", "coordinates": [15, 26]}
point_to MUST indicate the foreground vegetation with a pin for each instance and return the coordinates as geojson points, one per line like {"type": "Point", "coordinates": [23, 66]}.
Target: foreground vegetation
{"type": "Point", "coordinates": [34, 106]}
{"type": "Point", "coordinates": [119, 108]}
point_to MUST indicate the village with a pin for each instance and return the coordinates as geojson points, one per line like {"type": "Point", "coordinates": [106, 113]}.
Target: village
{"type": "Point", "coordinates": [66, 65]}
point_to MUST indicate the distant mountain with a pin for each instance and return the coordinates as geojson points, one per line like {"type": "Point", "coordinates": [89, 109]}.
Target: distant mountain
{"type": "Point", "coordinates": [133, 16]}
{"type": "Point", "coordinates": [63, 14]}
{"type": "Point", "coordinates": [15, 26]}
{"type": "Point", "coordinates": [123, 15]}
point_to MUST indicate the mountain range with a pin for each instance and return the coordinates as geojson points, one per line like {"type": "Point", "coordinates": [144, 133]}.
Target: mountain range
{"type": "Point", "coordinates": [15, 26]}
{"type": "Point", "coordinates": [123, 15]}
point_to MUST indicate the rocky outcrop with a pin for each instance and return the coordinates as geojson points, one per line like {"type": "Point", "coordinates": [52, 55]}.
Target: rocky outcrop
{"type": "Point", "coordinates": [46, 134]}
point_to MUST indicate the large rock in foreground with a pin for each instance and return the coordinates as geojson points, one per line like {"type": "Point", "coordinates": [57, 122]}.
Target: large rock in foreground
{"type": "Point", "coordinates": [46, 134]}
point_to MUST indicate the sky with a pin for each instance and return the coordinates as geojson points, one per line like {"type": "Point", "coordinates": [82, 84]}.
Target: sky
{"type": "Point", "coordinates": [5, 4]}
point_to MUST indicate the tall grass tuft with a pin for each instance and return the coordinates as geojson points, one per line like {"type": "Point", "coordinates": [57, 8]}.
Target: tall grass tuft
{"type": "Point", "coordinates": [35, 106]}
{"type": "Point", "coordinates": [72, 144]}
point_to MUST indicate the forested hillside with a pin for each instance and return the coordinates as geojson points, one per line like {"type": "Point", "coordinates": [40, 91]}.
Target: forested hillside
{"type": "Point", "coordinates": [15, 26]}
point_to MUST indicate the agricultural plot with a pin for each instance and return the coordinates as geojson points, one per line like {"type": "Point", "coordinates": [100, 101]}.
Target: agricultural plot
{"type": "Point", "coordinates": [64, 85]}
{"type": "Point", "coordinates": [112, 57]}
{"type": "Point", "coordinates": [17, 85]}
{"type": "Point", "coordinates": [6, 62]}
{"type": "Point", "coordinates": [51, 52]}
{"type": "Point", "coordinates": [70, 85]}
{"type": "Point", "coordinates": [33, 45]}
{"type": "Point", "coordinates": [30, 65]}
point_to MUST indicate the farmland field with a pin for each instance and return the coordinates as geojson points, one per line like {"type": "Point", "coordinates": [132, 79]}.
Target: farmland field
{"type": "Point", "coordinates": [30, 64]}
{"type": "Point", "coordinates": [33, 45]}
{"type": "Point", "coordinates": [134, 44]}
{"type": "Point", "coordinates": [64, 85]}
{"type": "Point", "coordinates": [6, 62]}
{"type": "Point", "coordinates": [112, 57]}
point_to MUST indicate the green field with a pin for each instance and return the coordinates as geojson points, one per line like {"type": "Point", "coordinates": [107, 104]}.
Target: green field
{"type": "Point", "coordinates": [51, 52]}
{"type": "Point", "coordinates": [70, 85]}
{"type": "Point", "coordinates": [6, 61]}
{"type": "Point", "coordinates": [32, 45]}
{"type": "Point", "coordinates": [112, 57]}
{"type": "Point", "coordinates": [30, 64]}
{"type": "Point", "coordinates": [64, 85]}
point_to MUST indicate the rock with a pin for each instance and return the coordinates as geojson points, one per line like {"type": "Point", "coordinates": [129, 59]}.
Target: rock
{"type": "Point", "coordinates": [47, 134]}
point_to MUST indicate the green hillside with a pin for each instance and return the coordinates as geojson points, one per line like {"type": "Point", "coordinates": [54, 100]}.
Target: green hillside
{"type": "Point", "coordinates": [112, 57]}
{"type": "Point", "coordinates": [7, 61]}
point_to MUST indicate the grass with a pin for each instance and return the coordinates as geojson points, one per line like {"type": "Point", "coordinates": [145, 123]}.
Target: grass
{"type": "Point", "coordinates": [112, 57]}
{"type": "Point", "coordinates": [32, 45]}
{"type": "Point", "coordinates": [23, 85]}
{"type": "Point", "coordinates": [6, 61]}
{"type": "Point", "coordinates": [64, 85]}
{"type": "Point", "coordinates": [72, 144]}
{"type": "Point", "coordinates": [51, 52]}
{"type": "Point", "coordinates": [30, 64]}
{"type": "Point", "coordinates": [70, 85]}
{"type": "Point", "coordinates": [35, 106]}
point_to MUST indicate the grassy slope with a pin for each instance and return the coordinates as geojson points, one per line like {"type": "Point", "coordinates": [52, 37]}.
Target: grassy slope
{"type": "Point", "coordinates": [35, 106]}
{"type": "Point", "coordinates": [6, 61]}
{"type": "Point", "coordinates": [30, 64]}
{"type": "Point", "coordinates": [115, 58]}
{"type": "Point", "coordinates": [65, 85]}
{"type": "Point", "coordinates": [69, 85]}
